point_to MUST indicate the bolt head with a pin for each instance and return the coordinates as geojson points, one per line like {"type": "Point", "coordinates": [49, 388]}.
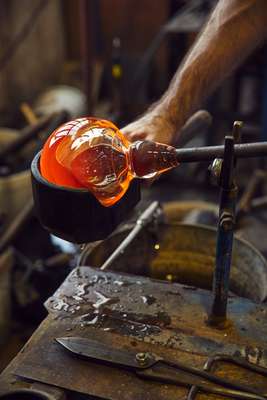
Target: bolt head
{"type": "Point", "coordinates": [142, 358]}
{"type": "Point", "coordinates": [227, 223]}
{"type": "Point", "coordinates": [215, 169]}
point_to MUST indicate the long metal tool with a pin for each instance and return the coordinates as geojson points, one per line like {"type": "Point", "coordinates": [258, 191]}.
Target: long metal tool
{"type": "Point", "coordinates": [141, 222]}
{"type": "Point", "coordinates": [209, 153]}
{"type": "Point", "coordinates": [152, 367]}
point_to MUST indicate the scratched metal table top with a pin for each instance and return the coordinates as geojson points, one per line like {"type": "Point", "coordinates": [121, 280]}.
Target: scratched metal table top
{"type": "Point", "coordinates": [140, 314]}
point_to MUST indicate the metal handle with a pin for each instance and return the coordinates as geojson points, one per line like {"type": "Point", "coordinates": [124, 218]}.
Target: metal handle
{"type": "Point", "coordinates": [181, 379]}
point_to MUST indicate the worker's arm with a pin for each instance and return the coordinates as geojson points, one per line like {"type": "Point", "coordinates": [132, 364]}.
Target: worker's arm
{"type": "Point", "coordinates": [234, 29]}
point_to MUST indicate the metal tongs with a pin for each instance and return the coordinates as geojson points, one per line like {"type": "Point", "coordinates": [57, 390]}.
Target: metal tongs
{"type": "Point", "coordinates": [150, 366]}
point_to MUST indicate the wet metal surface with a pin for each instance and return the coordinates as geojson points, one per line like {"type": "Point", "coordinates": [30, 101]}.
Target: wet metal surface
{"type": "Point", "coordinates": [156, 312]}
{"type": "Point", "coordinates": [139, 314]}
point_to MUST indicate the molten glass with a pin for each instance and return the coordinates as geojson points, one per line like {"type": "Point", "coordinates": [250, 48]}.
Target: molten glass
{"type": "Point", "coordinates": [92, 153]}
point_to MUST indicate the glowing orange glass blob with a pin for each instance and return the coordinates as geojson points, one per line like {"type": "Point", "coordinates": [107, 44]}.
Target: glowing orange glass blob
{"type": "Point", "coordinates": [92, 153]}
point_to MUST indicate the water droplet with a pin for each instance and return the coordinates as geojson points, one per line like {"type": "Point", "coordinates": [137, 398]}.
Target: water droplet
{"type": "Point", "coordinates": [78, 298]}
{"type": "Point", "coordinates": [144, 329]}
{"type": "Point", "coordinates": [101, 300]}
{"type": "Point", "coordinates": [144, 299]}
{"type": "Point", "coordinates": [81, 289]}
{"type": "Point", "coordinates": [93, 321]}
{"type": "Point", "coordinates": [119, 283]}
{"type": "Point", "coordinates": [89, 319]}
{"type": "Point", "coordinates": [60, 305]}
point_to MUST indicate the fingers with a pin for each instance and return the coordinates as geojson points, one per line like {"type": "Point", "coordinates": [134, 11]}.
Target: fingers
{"type": "Point", "coordinates": [150, 127]}
{"type": "Point", "coordinates": [134, 132]}
{"type": "Point", "coordinates": [134, 136]}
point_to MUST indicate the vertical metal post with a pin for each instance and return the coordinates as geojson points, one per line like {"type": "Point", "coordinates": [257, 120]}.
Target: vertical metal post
{"type": "Point", "coordinates": [225, 233]}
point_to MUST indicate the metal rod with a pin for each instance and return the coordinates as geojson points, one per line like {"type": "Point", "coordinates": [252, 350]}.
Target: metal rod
{"type": "Point", "coordinates": [25, 136]}
{"type": "Point", "coordinates": [259, 203]}
{"type": "Point", "coordinates": [141, 222]}
{"type": "Point", "coordinates": [221, 277]}
{"type": "Point", "coordinates": [196, 154]}
{"type": "Point", "coordinates": [254, 183]}
{"type": "Point", "coordinates": [30, 132]}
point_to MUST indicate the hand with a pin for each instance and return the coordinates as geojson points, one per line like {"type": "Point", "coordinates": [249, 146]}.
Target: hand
{"type": "Point", "coordinates": [152, 126]}
{"type": "Point", "coordinates": [157, 128]}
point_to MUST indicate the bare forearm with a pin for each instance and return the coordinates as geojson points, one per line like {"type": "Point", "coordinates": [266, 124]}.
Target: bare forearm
{"type": "Point", "coordinates": [234, 29]}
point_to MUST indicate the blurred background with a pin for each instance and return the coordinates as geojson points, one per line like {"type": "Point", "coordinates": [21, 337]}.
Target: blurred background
{"type": "Point", "coordinates": [64, 59]}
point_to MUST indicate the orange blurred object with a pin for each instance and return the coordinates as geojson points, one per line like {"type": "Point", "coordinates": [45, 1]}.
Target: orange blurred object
{"type": "Point", "coordinates": [92, 153]}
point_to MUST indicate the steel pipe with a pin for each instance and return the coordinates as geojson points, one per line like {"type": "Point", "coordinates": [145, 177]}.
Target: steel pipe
{"type": "Point", "coordinates": [197, 154]}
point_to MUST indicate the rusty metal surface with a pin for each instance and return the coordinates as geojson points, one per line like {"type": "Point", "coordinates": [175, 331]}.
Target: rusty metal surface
{"type": "Point", "coordinates": [141, 314]}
